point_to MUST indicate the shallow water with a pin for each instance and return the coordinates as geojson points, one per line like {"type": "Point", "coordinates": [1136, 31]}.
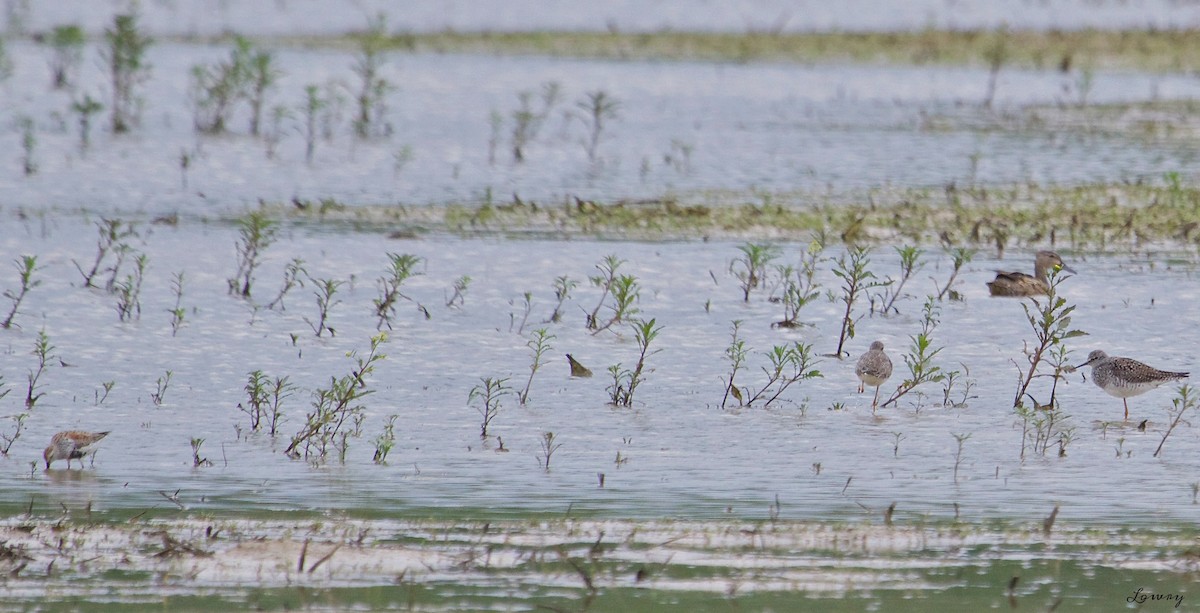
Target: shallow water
{"type": "Point", "coordinates": [682, 455]}
{"type": "Point", "coordinates": [683, 128]}
{"type": "Point", "coordinates": [817, 459]}
{"type": "Point", "coordinates": [207, 17]}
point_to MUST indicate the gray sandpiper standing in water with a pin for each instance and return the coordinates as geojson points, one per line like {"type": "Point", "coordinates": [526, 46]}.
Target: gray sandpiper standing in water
{"type": "Point", "coordinates": [71, 445]}
{"type": "Point", "coordinates": [1126, 377]}
{"type": "Point", "coordinates": [1020, 284]}
{"type": "Point", "coordinates": [873, 368]}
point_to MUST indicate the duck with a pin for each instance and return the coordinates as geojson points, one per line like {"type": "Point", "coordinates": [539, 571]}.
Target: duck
{"type": "Point", "coordinates": [1019, 284]}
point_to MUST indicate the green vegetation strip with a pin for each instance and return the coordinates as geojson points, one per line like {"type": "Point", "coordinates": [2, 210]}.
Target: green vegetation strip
{"type": "Point", "coordinates": [1087, 218]}
{"type": "Point", "coordinates": [535, 559]}
{"type": "Point", "coordinates": [1146, 49]}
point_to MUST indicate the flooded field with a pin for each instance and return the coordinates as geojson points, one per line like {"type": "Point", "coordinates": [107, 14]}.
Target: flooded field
{"type": "Point", "coordinates": [334, 368]}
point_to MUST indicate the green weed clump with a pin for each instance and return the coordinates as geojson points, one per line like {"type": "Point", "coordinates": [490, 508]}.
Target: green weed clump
{"type": "Point", "coordinates": [489, 392]}
{"type": "Point", "coordinates": [218, 89]}
{"type": "Point", "coordinates": [539, 344]}
{"type": "Point", "coordinates": [373, 89]}
{"type": "Point", "coordinates": [799, 285]}
{"type": "Point", "coordinates": [919, 359]}
{"type": "Point", "coordinates": [750, 268]}
{"type": "Point", "coordinates": [622, 289]}
{"type": "Point", "coordinates": [264, 402]}
{"type": "Point", "coordinates": [26, 267]}
{"type": "Point", "coordinates": [125, 53]}
{"type": "Point", "coordinates": [851, 268]}
{"type": "Point", "coordinates": [401, 266]}
{"type": "Point", "coordinates": [256, 232]}
{"type": "Point", "coordinates": [789, 365]}
{"type": "Point", "coordinates": [67, 42]}
{"type": "Point", "coordinates": [44, 352]}
{"type": "Point", "coordinates": [625, 382]}
{"type": "Point", "coordinates": [336, 415]}
{"type": "Point", "coordinates": [1050, 320]}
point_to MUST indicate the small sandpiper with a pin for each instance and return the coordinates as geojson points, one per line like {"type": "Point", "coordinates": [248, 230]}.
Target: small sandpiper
{"type": "Point", "coordinates": [71, 445]}
{"type": "Point", "coordinates": [873, 368]}
{"type": "Point", "coordinates": [1126, 377]}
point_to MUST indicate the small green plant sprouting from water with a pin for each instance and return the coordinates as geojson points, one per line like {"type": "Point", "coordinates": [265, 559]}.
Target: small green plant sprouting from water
{"type": "Point", "coordinates": [385, 441]}
{"type": "Point", "coordinates": [274, 132]}
{"type": "Point", "coordinates": [177, 312]}
{"type": "Point", "coordinates": [85, 107]}
{"type": "Point", "coordinates": [608, 276]}
{"type": "Point", "coordinates": [26, 268]}
{"type": "Point", "coordinates": [256, 232]}
{"type": "Point", "coordinates": [851, 268]}
{"type": "Point", "coordinates": [562, 291]}
{"type": "Point", "coordinates": [995, 55]}
{"type": "Point", "coordinates": [598, 108]}
{"type": "Point", "coordinates": [310, 110]}
{"type": "Point", "coordinates": [325, 293]}
{"type": "Point", "coordinates": [459, 297]}
{"type": "Point", "coordinates": [264, 401]}
{"type": "Point", "coordinates": [625, 382]}
{"type": "Point", "coordinates": [262, 75]}
{"type": "Point", "coordinates": [623, 289]}
{"type": "Point", "coordinates": [958, 452]}
{"type": "Point", "coordinates": [525, 309]}
{"type": "Point", "coordinates": [736, 353]}
{"type": "Point", "coordinates": [527, 122]}
{"type": "Point", "coordinates": [1186, 399]}
{"type": "Point", "coordinates": [28, 145]}
{"type": "Point", "coordinates": [125, 54]}
{"type": "Point", "coordinates": [1043, 424]}
{"type": "Point", "coordinates": [161, 385]}
{"type": "Point", "coordinates": [488, 392]}
{"type": "Point", "coordinates": [549, 446]}
{"type": "Point", "coordinates": [67, 43]}
{"type": "Point", "coordinates": [539, 344]}
{"type": "Point", "coordinates": [293, 275]}
{"type": "Point", "coordinates": [961, 256]}
{"type": "Point", "coordinates": [372, 89]}
{"type": "Point", "coordinates": [129, 290]}
{"type": "Point", "coordinates": [401, 266]}
{"type": "Point", "coordinates": [799, 286]}
{"type": "Point", "coordinates": [114, 236]}
{"type": "Point", "coordinates": [43, 350]}
{"type": "Point", "coordinates": [216, 89]}
{"type": "Point", "coordinates": [107, 386]}
{"type": "Point", "coordinates": [952, 378]}
{"type": "Point", "coordinates": [910, 264]}
{"type": "Point", "coordinates": [1050, 320]}
{"type": "Point", "coordinates": [336, 415]}
{"type": "Point", "coordinates": [7, 439]}
{"type": "Point", "coordinates": [750, 268]}
{"type": "Point", "coordinates": [197, 461]}
{"type": "Point", "coordinates": [790, 364]}
{"type": "Point", "coordinates": [919, 358]}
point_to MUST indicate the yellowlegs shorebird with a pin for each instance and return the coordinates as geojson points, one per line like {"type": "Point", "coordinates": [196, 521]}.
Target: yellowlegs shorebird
{"type": "Point", "coordinates": [873, 368]}
{"type": "Point", "coordinates": [1126, 377]}
{"type": "Point", "coordinates": [71, 445]}
{"type": "Point", "coordinates": [1021, 284]}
